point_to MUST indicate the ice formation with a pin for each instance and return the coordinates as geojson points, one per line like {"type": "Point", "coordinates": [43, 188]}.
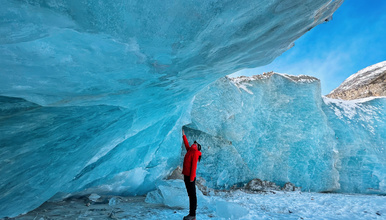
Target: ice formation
{"type": "Point", "coordinates": [279, 128]}
{"type": "Point", "coordinates": [94, 94]}
{"type": "Point", "coordinates": [172, 193]}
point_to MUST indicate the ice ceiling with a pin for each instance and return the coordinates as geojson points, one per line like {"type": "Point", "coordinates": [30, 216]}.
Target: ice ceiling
{"type": "Point", "coordinates": [94, 93]}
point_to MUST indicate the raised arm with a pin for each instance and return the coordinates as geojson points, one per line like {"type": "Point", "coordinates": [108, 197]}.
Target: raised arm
{"type": "Point", "coordinates": [185, 141]}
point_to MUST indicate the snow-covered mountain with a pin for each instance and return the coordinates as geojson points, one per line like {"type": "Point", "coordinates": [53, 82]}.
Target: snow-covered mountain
{"type": "Point", "coordinates": [370, 81]}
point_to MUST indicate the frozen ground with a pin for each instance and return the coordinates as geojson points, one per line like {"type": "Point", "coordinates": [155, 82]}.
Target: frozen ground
{"type": "Point", "coordinates": [274, 205]}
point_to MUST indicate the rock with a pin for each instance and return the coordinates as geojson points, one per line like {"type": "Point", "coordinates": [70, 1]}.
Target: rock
{"type": "Point", "coordinates": [260, 185]}
{"type": "Point", "coordinates": [201, 185]}
{"type": "Point", "coordinates": [290, 187]}
{"type": "Point", "coordinates": [176, 174]}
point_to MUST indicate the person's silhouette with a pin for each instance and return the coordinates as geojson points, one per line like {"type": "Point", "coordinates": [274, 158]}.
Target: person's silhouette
{"type": "Point", "coordinates": [192, 156]}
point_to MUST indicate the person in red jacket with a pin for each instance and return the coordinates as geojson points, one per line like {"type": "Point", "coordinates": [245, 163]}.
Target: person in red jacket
{"type": "Point", "coordinates": [192, 156]}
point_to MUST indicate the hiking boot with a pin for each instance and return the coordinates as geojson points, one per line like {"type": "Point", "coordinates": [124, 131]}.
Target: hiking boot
{"type": "Point", "coordinates": [190, 217]}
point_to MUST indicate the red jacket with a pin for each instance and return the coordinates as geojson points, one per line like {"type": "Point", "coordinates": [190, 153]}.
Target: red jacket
{"type": "Point", "coordinates": [190, 159]}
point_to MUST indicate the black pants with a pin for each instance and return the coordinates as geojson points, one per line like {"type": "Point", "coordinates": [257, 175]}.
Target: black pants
{"type": "Point", "coordinates": [191, 188]}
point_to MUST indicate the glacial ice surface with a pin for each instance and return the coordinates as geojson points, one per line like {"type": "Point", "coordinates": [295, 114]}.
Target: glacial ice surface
{"type": "Point", "coordinates": [279, 128]}
{"type": "Point", "coordinates": [94, 94]}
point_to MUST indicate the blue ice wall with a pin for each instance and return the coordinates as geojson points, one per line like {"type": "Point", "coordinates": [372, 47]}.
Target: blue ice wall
{"type": "Point", "coordinates": [279, 128]}
{"type": "Point", "coordinates": [99, 148]}
{"type": "Point", "coordinates": [360, 131]}
{"type": "Point", "coordinates": [94, 93]}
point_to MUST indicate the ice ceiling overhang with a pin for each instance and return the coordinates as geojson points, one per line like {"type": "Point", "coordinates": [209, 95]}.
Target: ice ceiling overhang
{"type": "Point", "coordinates": [126, 52]}
{"type": "Point", "coordinates": [108, 84]}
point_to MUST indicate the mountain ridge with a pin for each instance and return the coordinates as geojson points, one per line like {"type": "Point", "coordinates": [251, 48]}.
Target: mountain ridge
{"type": "Point", "coordinates": [368, 82]}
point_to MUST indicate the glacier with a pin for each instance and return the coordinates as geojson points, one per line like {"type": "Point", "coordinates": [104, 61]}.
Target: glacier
{"type": "Point", "coordinates": [279, 128]}
{"type": "Point", "coordinates": [94, 94]}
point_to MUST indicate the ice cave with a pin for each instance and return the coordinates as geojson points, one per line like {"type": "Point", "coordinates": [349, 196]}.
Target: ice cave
{"type": "Point", "coordinates": [93, 96]}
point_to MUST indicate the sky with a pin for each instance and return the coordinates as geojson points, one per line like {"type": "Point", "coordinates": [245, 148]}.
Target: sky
{"type": "Point", "coordinates": [332, 51]}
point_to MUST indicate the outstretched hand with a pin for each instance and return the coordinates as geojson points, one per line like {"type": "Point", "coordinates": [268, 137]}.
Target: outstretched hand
{"type": "Point", "coordinates": [183, 133]}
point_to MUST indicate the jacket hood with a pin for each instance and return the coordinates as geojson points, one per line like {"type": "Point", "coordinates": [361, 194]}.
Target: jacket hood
{"type": "Point", "coordinates": [194, 148]}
